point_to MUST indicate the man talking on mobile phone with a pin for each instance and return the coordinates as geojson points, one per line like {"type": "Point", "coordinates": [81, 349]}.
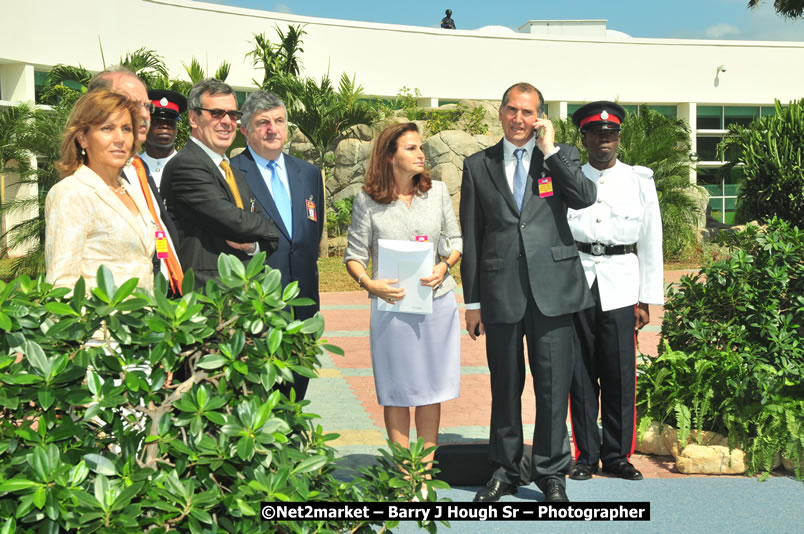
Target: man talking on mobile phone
{"type": "Point", "coordinates": [522, 277]}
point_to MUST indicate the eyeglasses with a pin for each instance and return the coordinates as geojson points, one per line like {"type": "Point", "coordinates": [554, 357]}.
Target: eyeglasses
{"type": "Point", "coordinates": [218, 114]}
{"type": "Point", "coordinates": [148, 106]}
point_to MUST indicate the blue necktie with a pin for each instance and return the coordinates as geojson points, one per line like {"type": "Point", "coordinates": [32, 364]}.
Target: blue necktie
{"type": "Point", "coordinates": [520, 178]}
{"type": "Point", "coordinates": [281, 198]}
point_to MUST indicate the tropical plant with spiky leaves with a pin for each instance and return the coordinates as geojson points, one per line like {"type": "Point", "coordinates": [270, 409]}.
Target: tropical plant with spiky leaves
{"type": "Point", "coordinates": [790, 9]}
{"type": "Point", "coordinates": [663, 144]}
{"type": "Point", "coordinates": [27, 133]}
{"type": "Point", "coordinates": [62, 81]}
{"type": "Point", "coordinates": [277, 59]}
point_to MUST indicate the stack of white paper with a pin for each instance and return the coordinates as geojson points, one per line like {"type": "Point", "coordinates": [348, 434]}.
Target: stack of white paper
{"type": "Point", "coordinates": [407, 261]}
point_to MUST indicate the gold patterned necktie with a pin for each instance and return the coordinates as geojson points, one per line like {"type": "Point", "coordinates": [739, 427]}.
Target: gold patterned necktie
{"type": "Point", "coordinates": [230, 180]}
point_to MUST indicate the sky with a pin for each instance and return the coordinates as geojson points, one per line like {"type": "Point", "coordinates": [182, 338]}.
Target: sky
{"type": "Point", "coordinates": [677, 19]}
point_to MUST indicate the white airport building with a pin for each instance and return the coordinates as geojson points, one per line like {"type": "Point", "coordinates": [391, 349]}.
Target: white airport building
{"type": "Point", "coordinates": [708, 83]}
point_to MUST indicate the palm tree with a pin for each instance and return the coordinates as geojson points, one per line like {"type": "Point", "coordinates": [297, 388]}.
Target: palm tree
{"type": "Point", "coordinates": [791, 9]}
{"type": "Point", "coordinates": [64, 80]}
{"type": "Point", "coordinates": [146, 64]}
{"type": "Point", "coordinates": [197, 73]}
{"type": "Point", "coordinates": [663, 144]}
{"type": "Point", "coordinates": [280, 58]}
{"type": "Point", "coordinates": [323, 114]}
{"type": "Point", "coordinates": [26, 133]}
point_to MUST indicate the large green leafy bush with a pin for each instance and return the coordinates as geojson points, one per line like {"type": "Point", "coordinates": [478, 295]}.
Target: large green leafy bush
{"type": "Point", "coordinates": [98, 433]}
{"type": "Point", "coordinates": [733, 357]}
{"type": "Point", "coordinates": [769, 154]}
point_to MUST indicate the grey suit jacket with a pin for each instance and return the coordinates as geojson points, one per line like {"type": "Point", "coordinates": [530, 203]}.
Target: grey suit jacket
{"type": "Point", "coordinates": [508, 255]}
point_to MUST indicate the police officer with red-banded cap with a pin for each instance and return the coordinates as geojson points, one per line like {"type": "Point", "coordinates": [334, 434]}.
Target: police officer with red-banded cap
{"type": "Point", "coordinates": [160, 142]}
{"type": "Point", "coordinates": [620, 242]}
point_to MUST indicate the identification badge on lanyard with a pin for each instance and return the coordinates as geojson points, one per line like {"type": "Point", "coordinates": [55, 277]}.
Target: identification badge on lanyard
{"type": "Point", "coordinates": [161, 245]}
{"type": "Point", "coordinates": [545, 187]}
{"type": "Point", "coordinates": [310, 207]}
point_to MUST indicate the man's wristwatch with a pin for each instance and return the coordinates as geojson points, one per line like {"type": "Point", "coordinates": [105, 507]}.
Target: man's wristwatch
{"type": "Point", "coordinates": [445, 262]}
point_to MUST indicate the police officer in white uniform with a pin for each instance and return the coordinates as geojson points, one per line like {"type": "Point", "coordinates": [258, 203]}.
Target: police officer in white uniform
{"type": "Point", "coordinates": [160, 143]}
{"type": "Point", "coordinates": [620, 241]}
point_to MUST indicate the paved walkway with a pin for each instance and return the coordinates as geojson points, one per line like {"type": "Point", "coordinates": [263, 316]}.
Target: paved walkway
{"type": "Point", "coordinates": [344, 397]}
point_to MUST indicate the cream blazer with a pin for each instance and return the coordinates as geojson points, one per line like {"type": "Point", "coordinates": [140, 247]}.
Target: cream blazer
{"type": "Point", "coordinates": [87, 225]}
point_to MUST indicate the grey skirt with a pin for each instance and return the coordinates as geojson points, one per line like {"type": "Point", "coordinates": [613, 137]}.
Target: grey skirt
{"type": "Point", "coordinates": [416, 359]}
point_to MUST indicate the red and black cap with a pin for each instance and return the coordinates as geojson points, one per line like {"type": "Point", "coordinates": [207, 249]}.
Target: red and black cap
{"type": "Point", "coordinates": [167, 104]}
{"type": "Point", "coordinates": [600, 115]}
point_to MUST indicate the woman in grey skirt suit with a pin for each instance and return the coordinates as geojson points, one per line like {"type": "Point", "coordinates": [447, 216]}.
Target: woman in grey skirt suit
{"type": "Point", "coordinates": [415, 358]}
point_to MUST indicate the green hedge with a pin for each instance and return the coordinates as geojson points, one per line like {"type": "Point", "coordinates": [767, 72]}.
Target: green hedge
{"type": "Point", "coordinates": [103, 436]}
{"type": "Point", "coordinates": [733, 355]}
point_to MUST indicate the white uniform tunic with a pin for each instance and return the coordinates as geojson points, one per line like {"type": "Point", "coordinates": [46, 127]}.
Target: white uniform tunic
{"type": "Point", "coordinates": [626, 212]}
{"type": "Point", "coordinates": [156, 166]}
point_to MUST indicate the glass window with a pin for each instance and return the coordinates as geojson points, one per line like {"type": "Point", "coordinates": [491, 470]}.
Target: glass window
{"type": "Point", "coordinates": [240, 96]}
{"type": "Point", "coordinates": [768, 110]}
{"type": "Point", "coordinates": [630, 108]}
{"type": "Point", "coordinates": [671, 112]}
{"type": "Point", "coordinates": [710, 118]}
{"type": "Point", "coordinates": [572, 108]}
{"type": "Point", "coordinates": [707, 148]}
{"type": "Point", "coordinates": [735, 176]}
{"type": "Point", "coordinates": [742, 115]}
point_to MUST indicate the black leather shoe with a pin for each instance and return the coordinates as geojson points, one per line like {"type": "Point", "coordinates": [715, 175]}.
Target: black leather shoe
{"type": "Point", "coordinates": [583, 471]}
{"type": "Point", "coordinates": [554, 491]}
{"type": "Point", "coordinates": [494, 490]}
{"type": "Point", "coordinates": [623, 470]}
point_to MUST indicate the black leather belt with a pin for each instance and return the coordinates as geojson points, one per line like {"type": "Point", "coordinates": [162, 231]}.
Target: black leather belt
{"type": "Point", "coordinates": [600, 249]}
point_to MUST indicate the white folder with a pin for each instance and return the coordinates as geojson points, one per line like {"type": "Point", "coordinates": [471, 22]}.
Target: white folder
{"type": "Point", "coordinates": [409, 261]}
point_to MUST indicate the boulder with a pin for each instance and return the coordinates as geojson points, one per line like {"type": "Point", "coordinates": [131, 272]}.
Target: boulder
{"type": "Point", "coordinates": [674, 447]}
{"type": "Point", "coordinates": [347, 192]}
{"type": "Point", "coordinates": [362, 132]}
{"type": "Point", "coordinates": [449, 174]}
{"type": "Point", "coordinates": [653, 440]}
{"type": "Point", "coordinates": [700, 196]}
{"type": "Point", "coordinates": [711, 460]}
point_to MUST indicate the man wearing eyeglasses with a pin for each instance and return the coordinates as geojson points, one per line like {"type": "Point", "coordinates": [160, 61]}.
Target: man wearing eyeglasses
{"type": "Point", "coordinates": [212, 203]}
{"type": "Point", "coordinates": [137, 173]}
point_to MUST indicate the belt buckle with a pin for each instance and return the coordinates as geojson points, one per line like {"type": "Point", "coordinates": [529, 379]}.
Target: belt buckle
{"type": "Point", "coordinates": [598, 249]}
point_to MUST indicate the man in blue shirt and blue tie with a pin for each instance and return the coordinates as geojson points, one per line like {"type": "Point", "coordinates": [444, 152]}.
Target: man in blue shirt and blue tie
{"type": "Point", "coordinates": [289, 191]}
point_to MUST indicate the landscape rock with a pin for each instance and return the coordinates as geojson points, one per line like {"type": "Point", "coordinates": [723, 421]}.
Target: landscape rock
{"type": "Point", "coordinates": [711, 460]}
{"type": "Point", "coordinates": [670, 436]}
{"type": "Point", "coordinates": [653, 440]}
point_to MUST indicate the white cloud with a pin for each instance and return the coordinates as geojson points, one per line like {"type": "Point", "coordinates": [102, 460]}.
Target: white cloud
{"type": "Point", "coordinates": [282, 8]}
{"type": "Point", "coordinates": [721, 31]}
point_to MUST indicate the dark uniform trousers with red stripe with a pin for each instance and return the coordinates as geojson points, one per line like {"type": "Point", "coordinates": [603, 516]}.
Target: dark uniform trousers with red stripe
{"type": "Point", "coordinates": [606, 369]}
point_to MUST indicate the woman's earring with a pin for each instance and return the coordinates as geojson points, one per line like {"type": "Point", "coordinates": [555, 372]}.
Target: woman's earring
{"type": "Point", "coordinates": [84, 152]}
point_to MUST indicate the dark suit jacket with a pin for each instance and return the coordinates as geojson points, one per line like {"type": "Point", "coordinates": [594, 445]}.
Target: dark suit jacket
{"type": "Point", "coordinates": [296, 259]}
{"type": "Point", "coordinates": [496, 236]}
{"type": "Point", "coordinates": [203, 208]}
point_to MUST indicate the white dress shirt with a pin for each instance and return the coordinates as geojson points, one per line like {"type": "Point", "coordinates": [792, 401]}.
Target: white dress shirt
{"type": "Point", "coordinates": [156, 165]}
{"type": "Point", "coordinates": [626, 212]}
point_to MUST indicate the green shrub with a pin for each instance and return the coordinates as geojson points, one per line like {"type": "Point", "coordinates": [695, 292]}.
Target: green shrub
{"type": "Point", "coordinates": [769, 153]}
{"type": "Point", "coordinates": [339, 217]}
{"type": "Point", "coordinates": [102, 437]}
{"type": "Point", "coordinates": [733, 357]}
